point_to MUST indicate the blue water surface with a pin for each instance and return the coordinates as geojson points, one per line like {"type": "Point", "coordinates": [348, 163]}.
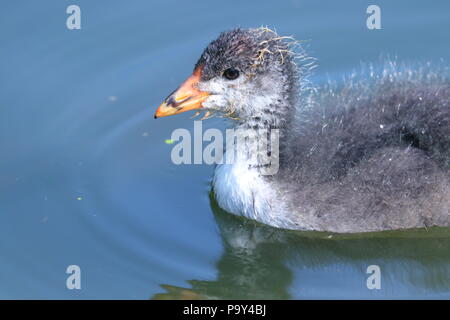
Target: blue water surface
{"type": "Point", "coordinates": [86, 177]}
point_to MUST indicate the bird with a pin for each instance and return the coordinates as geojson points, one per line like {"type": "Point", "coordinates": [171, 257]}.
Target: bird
{"type": "Point", "coordinates": [369, 155]}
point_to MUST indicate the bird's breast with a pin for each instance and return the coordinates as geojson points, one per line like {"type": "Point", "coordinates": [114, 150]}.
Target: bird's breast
{"type": "Point", "coordinates": [243, 191]}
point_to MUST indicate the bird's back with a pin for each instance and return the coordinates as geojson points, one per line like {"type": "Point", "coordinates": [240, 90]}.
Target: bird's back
{"type": "Point", "coordinates": [369, 157]}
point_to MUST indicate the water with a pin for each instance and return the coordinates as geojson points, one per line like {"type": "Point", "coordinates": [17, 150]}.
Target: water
{"type": "Point", "coordinates": [86, 177]}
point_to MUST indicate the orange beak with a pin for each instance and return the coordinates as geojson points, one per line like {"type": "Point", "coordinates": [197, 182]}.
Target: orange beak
{"type": "Point", "coordinates": [186, 97]}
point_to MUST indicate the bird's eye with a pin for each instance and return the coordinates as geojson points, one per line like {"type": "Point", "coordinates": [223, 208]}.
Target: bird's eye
{"type": "Point", "coordinates": [231, 73]}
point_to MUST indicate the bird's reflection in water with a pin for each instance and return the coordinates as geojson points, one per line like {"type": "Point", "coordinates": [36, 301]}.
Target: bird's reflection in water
{"type": "Point", "coordinates": [261, 262]}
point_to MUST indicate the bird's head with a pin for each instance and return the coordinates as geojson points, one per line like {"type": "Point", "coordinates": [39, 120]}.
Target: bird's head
{"type": "Point", "coordinates": [242, 74]}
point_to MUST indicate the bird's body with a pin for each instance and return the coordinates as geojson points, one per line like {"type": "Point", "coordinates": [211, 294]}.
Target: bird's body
{"type": "Point", "coordinates": [368, 156]}
{"type": "Point", "coordinates": [354, 163]}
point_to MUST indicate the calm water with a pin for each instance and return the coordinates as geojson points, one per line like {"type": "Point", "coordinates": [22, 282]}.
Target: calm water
{"type": "Point", "coordinates": [86, 177]}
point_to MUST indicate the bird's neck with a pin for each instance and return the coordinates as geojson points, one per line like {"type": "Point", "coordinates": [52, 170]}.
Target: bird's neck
{"type": "Point", "coordinates": [266, 135]}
